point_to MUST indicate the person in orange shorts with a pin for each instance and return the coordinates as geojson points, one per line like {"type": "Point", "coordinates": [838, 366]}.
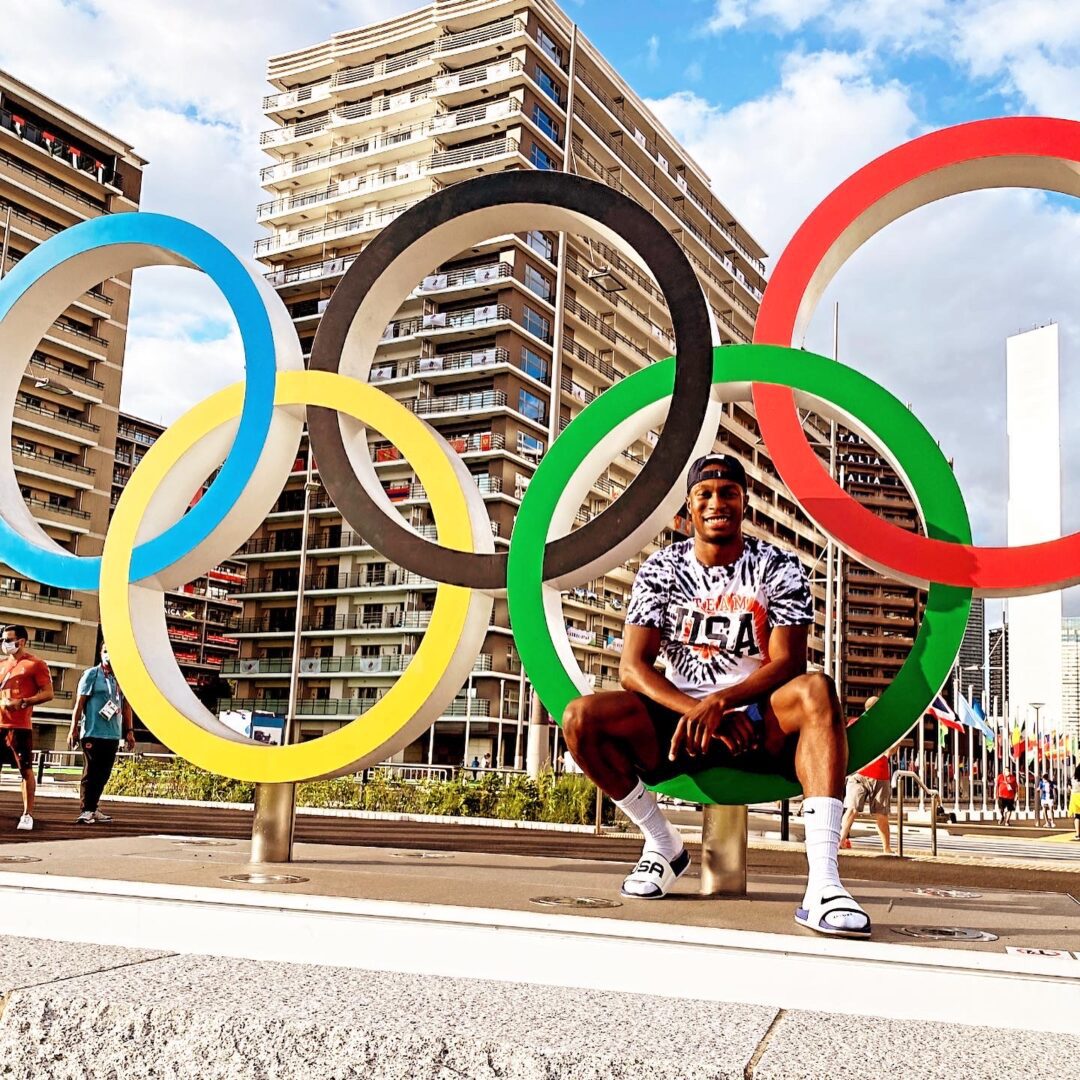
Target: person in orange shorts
{"type": "Point", "coordinates": [24, 682]}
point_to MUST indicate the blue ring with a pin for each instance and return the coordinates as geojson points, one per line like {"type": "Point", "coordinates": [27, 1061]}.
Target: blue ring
{"type": "Point", "coordinates": [229, 274]}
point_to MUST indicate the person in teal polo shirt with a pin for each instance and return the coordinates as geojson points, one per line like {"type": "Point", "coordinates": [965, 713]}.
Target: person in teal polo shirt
{"type": "Point", "coordinates": [100, 716]}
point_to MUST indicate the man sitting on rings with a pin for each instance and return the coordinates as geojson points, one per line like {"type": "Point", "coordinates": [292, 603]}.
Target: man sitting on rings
{"type": "Point", "coordinates": [729, 616]}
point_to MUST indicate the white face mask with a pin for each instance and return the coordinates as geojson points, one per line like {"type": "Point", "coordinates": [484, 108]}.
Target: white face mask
{"type": "Point", "coordinates": [9, 647]}
{"type": "Point", "coordinates": [104, 656]}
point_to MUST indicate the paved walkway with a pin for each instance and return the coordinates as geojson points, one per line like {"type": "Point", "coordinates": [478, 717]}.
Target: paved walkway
{"type": "Point", "coordinates": [73, 1011]}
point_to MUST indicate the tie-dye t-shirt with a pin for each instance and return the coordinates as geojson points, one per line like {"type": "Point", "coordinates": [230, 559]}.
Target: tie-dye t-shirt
{"type": "Point", "coordinates": [714, 621]}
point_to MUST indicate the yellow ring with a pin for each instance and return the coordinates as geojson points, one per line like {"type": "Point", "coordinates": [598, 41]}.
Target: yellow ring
{"type": "Point", "coordinates": [339, 751]}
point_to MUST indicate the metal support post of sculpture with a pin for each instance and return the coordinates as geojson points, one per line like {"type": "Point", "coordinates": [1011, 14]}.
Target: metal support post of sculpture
{"type": "Point", "coordinates": [723, 850]}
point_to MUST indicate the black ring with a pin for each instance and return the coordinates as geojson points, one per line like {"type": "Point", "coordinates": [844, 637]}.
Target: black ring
{"type": "Point", "coordinates": [669, 457]}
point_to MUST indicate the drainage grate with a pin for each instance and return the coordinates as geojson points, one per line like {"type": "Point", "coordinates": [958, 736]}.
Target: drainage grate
{"type": "Point", "coordinates": [574, 901]}
{"type": "Point", "coordinates": [205, 843]}
{"type": "Point", "coordinates": [947, 894]}
{"type": "Point", "coordinates": [265, 879]}
{"type": "Point", "coordinates": [945, 933]}
{"type": "Point", "coordinates": [421, 854]}
{"type": "Point", "coordinates": [18, 859]}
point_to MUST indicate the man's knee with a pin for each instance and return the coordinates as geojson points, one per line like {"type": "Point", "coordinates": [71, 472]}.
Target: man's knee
{"type": "Point", "coordinates": [596, 716]}
{"type": "Point", "coordinates": [580, 718]}
{"type": "Point", "coordinates": [817, 694]}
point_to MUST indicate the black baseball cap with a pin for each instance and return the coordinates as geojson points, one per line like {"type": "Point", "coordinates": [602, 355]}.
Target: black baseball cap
{"type": "Point", "coordinates": [716, 467]}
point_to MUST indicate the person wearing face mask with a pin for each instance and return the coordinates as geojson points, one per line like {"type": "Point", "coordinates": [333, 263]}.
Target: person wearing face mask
{"type": "Point", "coordinates": [24, 682]}
{"type": "Point", "coordinates": [100, 716]}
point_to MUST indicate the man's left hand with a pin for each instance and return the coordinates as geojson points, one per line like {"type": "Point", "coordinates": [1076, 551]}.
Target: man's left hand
{"type": "Point", "coordinates": [129, 742]}
{"type": "Point", "coordinates": [709, 720]}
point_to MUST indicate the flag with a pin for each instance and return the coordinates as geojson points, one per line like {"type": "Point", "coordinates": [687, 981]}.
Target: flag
{"type": "Point", "coordinates": [943, 714]}
{"type": "Point", "coordinates": [969, 717]}
{"type": "Point", "coordinates": [989, 734]}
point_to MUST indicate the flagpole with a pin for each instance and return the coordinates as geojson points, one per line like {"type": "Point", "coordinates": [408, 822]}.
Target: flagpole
{"type": "Point", "coordinates": [922, 763]}
{"type": "Point", "coordinates": [971, 759]}
{"type": "Point", "coordinates": [984, 764]}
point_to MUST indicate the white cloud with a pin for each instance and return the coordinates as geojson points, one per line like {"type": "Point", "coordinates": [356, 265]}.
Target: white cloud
{"type": "Point", "coordinates": [183, 84]}
{"type": "Point", "coordinates": [773, 158]}
{"type": "Point", "coordinates": [1031, 48]}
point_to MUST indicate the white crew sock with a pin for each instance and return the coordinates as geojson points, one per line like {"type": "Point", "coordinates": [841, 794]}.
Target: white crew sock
{"type": "Point", "coordinates": [641, 808]}
{"type": "Point", "coordinates": [822, 818]}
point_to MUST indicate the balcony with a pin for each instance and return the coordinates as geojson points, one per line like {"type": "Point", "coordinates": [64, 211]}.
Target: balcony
{"type": "Point", "coordinates": [342, 117]}
{"type": "Point", "coordinates": [317, 235]}
{"type": "Point", "coordinates": [448, 362]}
{"type": "Point", "coordinates": [69, 421]}
{"type": "Point", "coordinates": [295, 205]}
{"type": "Point", "coordinates": [459, 404]}
{"type": "Point", "coordinates": [58, 597]}
{"type": "Point", "coordinates": [337, 583]}
{"type": "Point", "coordinates": [468, 156]}
{"type": "Point", "coordinates": [391, 664]}
{"type": "Point", "coordinates": [42, 362]}
{"type": "Point", "coordinates": [479, 442]}
{"type": "Point", "coordinates": [478, 37]}
{"type": "Point", "coordinates": [472, 319]}
{"type": "Point", "coordinates": [55, 146]}
{"type": "Point", "coordinates": [319, 271]}
{"type": "Point", "coordinates": [56, 508]}
{"type": "Point", "coordinates": [357, 620]}
{"type": "Point", "coordinates": [471, 78]}
{"type": "Point", "coordinates": [488, 274]}
{"type": "Point", "coordinates": [446, 124]}
{"type": "Point", "coordinates": [413, 490]}
{"type": "Point", "coordinates": [49, 462]}
{"type": "Point", "coordinates": [349, 78]}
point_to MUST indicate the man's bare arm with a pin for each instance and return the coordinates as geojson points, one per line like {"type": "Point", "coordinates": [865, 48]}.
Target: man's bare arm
{"type": "Point", "coordinates": [641, 647]}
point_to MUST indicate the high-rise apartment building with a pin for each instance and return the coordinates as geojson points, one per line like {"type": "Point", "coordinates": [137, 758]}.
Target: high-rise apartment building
{"type": "Point", "coordinates": [1070, 675]}
{"type": "Point", "coordinates": [498, 348]}
{"type": "Point", "coordinates": [997, 661]}
{"type": "Point", "coordinates": [198, 615]}
{"type": "Point", "coordinates": [971, 663]}
{"type": "Point", "coordinates": [878, 618]}
{"type": "Point", "coordinates": [57, 169]}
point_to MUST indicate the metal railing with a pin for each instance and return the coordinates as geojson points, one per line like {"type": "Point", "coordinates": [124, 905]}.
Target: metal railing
{"type": "Point", "coordinates": [480, 36]}
{"type": "Point", "coordinates": [935, 802]}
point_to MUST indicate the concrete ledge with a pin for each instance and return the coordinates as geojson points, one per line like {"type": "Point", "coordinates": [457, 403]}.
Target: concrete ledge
{"type": "Point", "coordinates": [574, 951]}
{"type": "Point", "coordinates": [113, 1012]}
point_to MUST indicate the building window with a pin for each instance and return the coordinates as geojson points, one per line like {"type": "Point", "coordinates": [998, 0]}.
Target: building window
{"type": "Point", "coordinates": [536, 282]}
{"type": "Point", "coordinates": [534, 365]}
{"type": "Point", "coordinates": [540, 243]}
{"type": "Point", "coordinates": [536, 324]}
{"type": "Point", "coordinates": [548, 85]}
{"type": "Point", "coordinates": [541, 158]}
{"type": "Point", "coordinates": [531, 406]}
{"type": "Point", "coordinates": [547, 43]}
{"type": "Point", "coordinates": [545, 123]}
{"type": "Point", "coordinates": [530, 446]}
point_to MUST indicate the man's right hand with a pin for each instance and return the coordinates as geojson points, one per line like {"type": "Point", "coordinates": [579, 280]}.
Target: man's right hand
{"type": "Point", "coordinates": [73, 739]}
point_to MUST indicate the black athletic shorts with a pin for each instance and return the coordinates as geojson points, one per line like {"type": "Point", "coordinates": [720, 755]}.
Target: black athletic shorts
{"type": "Point", "coordinates": [17, 748]}
{"type": "Point", "coordinates": [756, 760]}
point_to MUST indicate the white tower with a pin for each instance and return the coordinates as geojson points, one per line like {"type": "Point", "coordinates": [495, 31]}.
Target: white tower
{"type": "Point", "coordinates": [1034, 515]}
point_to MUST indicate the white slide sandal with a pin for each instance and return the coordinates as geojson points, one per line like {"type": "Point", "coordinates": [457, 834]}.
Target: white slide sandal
{"type": "Point", "coordinates": [833, 902]}
{"type": "Point", "coordinates": [654, 875]}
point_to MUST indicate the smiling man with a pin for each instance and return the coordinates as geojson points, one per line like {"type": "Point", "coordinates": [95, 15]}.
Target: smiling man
{"type": "Point", "coordinates": [729, 616]}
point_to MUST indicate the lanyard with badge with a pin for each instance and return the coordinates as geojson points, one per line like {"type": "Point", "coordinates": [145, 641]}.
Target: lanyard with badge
{"type": "Point", "coordinates": [112, 706]}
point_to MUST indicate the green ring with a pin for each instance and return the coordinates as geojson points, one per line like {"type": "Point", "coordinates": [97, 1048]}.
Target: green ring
{"type": "Point", "coordinates": [900, 434]}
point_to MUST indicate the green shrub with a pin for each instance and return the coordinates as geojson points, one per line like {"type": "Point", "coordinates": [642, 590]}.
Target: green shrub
{"type": "Point", "coordinates": [570, 798]}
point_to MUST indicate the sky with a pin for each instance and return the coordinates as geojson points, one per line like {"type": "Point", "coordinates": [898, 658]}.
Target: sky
{"type": "Point", "coordinates": [778, 100]}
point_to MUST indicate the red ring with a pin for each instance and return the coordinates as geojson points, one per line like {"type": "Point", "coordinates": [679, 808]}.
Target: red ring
{"type": "Point", "coordinates": [1007, 152]}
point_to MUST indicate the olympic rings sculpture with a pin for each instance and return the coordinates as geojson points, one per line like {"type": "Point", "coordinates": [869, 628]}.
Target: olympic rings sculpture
{"type": "Point", "coordinates": [250, 433]}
